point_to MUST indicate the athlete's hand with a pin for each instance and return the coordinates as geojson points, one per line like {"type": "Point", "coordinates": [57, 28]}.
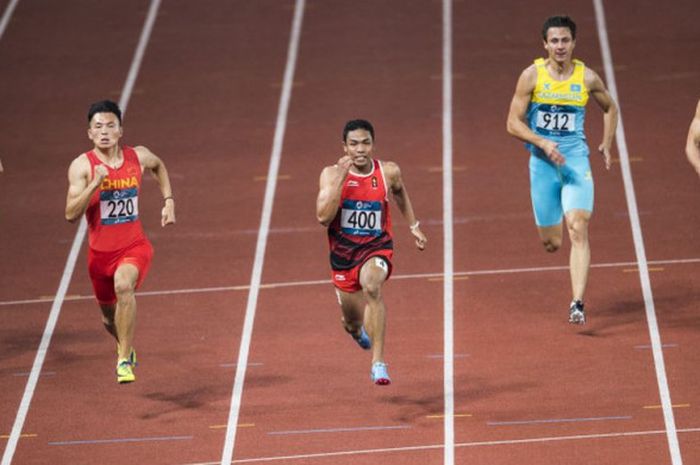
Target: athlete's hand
{"type": "Point", "coordinates": [344, 164]}
{"type": "Point", "coordinates": [551, 149]}
{"type": "Point", "coordinates": [0, 166]}
{"type": "Point", "coordinates": [421, 240]}
{"type": "Point", "coordinates": [168, 213]}
{"type": "Point", "coordinates": [101, 172]}
{"type": "Point", "coordinates": [605, 151]}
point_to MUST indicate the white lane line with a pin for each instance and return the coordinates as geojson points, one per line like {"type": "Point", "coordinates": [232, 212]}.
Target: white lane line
{"type": "Point", "coordinates": [316, 282]}
{"type": "Point", "coordinates": [70, 263]}
{"type": "Point", "coordinates": [246, 336]}
{"type": "Point", "coordinates": [555, 420]}
{"type": "Point", "coordinates": [339, 430]}
{"type": "Point", "coordinates": [7, 15]}
{"type": "Point", "coordinates": [448, 245]}
{"type": "Point", "coordinates": [427, 447]}
{"type": "Point", "coordinates": [654, 335]}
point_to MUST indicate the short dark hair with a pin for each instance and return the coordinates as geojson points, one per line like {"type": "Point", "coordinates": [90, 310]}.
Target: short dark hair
{"type": "Point", "coordinates": [355, 124]}
{"type": "Point", "coordinates": [104, 106]}
{"type": "Point", "coordinates": [559, 21]}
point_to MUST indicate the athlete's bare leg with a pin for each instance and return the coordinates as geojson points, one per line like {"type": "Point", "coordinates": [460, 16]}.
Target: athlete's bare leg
{"type": "Point", "coordinates": [108, 319]}
{"type": "Point", "coordinates": [580, 258]}
{"type": "Point", "coordinates": [353, 307]}
{"type": "Point", "coordinates": [551, 237]}
{"type": "Point", "coordinates": [125, 315]}
{"type": "Point", "coordinates": [373, 274]}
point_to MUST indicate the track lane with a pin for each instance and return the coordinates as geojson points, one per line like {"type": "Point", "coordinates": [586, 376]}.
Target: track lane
{"type": "Point", "coordinates": [325, 377]}
{"type": "Point", "coordinates": [183, 341]}
{"type": "Point", "coordinates": [548, 370]}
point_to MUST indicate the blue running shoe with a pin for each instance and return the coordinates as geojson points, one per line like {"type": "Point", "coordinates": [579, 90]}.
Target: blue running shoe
{"type": "Point", "coordinates": [577, 315]}
{"type": "Point", "coordinates": [379, 375]}
{"type": "Point", "coordinates": [363, 339]}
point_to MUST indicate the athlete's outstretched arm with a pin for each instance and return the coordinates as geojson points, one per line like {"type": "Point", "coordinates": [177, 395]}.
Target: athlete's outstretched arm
{"type": "Point", "coordinates": [155, 165]}
{"type": "Point", "coordinates": [81, 187]}
{"type": "Point", "coordinates": [330, 188]}
{"type": "Point", "coordinates": [403, 201]}
{"type": "Point", "coordinates": [600, 94]}
{"type": "Point", "coordinates": [516, 125]}
{"type": "Point", "coordinates": [692, 147]}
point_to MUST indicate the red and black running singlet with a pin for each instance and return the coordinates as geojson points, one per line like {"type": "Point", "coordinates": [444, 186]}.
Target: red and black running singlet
{"type": "Point", "coordinates": [113, 211]}
{"type": "Point", "coordinates": [363, 223]}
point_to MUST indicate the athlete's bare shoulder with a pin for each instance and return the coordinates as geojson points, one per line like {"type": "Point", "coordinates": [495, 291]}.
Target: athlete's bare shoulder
{"type": "Point", "coordinates": [390, 167]}
{"type": "Point", "coordinates": [80, 166]}
{"type": "Point", "coordinates": [142, 152]}
{"type": "Point", "coordinates": [392, 174]}
{"type": "Point", "coordinates": [526, 82]}
{"type": "Point", "coordinates": [147, 159]}
{"type": "Point", "coordinates": [592, 80]}
{"type": "Point", "coordinates": [329, 171]}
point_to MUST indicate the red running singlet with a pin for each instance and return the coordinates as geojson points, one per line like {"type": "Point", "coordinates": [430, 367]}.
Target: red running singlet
{"type": "Point", "coordinates": [113, 211]}
{"type": "Point", "coordinates": [362, 225]}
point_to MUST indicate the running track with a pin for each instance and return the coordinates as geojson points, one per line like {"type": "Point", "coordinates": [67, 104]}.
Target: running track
{"type": "Point", "coordinates": [208, 96]}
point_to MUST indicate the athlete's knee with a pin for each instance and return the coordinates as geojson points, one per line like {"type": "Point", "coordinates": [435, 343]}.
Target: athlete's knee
{"type": "Point", "coordinates": [551, 244]}
{"type": "Point", "coordinates": [124, 287]}
{"type": "Point", "coordinates": [372, 290]}
{"type": "Point", "coordinates": [578, 229]}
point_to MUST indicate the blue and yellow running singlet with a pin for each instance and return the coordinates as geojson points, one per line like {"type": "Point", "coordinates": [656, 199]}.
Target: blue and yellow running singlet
{"type": "Point", "coordinates": [557, 110]}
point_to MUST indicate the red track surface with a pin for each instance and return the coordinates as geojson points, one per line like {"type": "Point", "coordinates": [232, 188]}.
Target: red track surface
{"type": "Point", "coordinates": [206, 100]}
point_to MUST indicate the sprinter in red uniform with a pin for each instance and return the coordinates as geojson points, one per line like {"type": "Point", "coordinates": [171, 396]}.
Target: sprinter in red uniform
{"type": "Point", "coordinates": [105, 184]}
{"type": "Point", "coordinates": [353, 203]}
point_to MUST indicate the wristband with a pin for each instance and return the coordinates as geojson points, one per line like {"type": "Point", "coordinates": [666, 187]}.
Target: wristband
{"type": "Point", "coordinates": [170, 197]}
{"type": "Point", "coordinates": [414, 226]}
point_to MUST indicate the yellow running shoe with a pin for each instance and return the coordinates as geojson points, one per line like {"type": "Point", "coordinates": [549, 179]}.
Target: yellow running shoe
{"type": "Point", "coordinates": [132, 357]}
{"type": "Point", "coordinates": [125, 372]}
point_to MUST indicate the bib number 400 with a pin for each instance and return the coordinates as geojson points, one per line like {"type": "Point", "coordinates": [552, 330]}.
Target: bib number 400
{"type": "Point", "coordinates": [362, 219]}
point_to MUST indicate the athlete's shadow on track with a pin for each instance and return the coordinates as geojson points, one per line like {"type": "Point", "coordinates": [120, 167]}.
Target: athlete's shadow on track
{"type": "Point", "coordinates": [470, 390]}
{"type": "Point", "coordinates": [64, 345]}
{"type": "Point", "coordinates": [675, 305]}
{"type": "Point", "coordinates": [206, 398]}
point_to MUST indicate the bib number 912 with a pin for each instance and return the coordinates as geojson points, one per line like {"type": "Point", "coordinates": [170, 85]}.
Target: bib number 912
{"type": "Point", "coordinates": [556, 121]}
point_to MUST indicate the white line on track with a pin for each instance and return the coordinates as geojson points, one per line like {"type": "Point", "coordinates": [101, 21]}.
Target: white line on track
{"type": "Point", "coordinates": [504, 442]}
{"type": "Point", "coordinates": [448, 282]}
{"type": "Point", "coordinates": [70, 263]}
{"type": "Point", "coordinates": [316, 282]}
{"type": "Point", "coordinates": [7, 15]}
{"type": "Point", "coordinates": [256, 276]}
{"type": "Point", "coordinates": [654, 335]}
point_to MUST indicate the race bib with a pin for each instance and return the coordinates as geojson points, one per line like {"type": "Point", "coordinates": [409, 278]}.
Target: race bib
{"type": "Point", "coordinates": [361, 218]}
{"type": "Point", "coordinates": [119, 206]}
{"type": "Point", "coordinates": [556, 121]}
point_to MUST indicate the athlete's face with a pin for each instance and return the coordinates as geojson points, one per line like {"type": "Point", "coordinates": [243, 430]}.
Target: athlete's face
{"type": "Point", "coordinates": [358, 146]}
{"type": "Point", "coordinates": [559, 44]}
{"type": "Point", "coordinates": [104, 130]}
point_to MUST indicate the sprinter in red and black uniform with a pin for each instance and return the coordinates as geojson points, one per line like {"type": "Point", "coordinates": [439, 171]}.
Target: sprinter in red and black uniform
{"type": "Point", "coordinates": [353, 203]}
{"type": "Point", "coordinates": [105, 184]}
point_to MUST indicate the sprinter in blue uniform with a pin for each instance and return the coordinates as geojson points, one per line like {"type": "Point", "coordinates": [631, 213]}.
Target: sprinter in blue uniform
{"type": "Point", "coordinates": [547, 113]}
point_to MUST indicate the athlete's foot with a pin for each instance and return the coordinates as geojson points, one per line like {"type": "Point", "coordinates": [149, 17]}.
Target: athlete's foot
{"type": "Point", "coordinates": [360, 336]}
{"type": "Point", "coordinates": [125, 371]}
{"type": "Point", "coordinates": [577, 315]}
{"type": "Point", "coordinates": [132, 356]}
{"type": "Point", "coordinates": [379, 374]}
{"type": "Point", "coordinates": [362, 339]}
